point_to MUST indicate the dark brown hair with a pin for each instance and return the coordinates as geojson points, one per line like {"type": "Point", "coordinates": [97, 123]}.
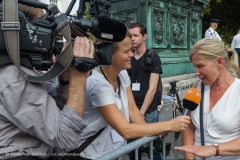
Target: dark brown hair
{"type": "Point", "coordinates": [143, 28]}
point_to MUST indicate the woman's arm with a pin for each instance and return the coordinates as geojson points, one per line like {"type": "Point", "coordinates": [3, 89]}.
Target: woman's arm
{"type": "Point", "coordinates": [188, 138]}
{"type": "Point", "coordinates": [231, 148]}
{"type": "Point", "coordinates": [138, 128]}
{"type": "Point", "coordinates": [153, 82]}
{"type": "Point", "coordinates": [134, 113]}
{"type": "Point", "coordinates": [116, 119]}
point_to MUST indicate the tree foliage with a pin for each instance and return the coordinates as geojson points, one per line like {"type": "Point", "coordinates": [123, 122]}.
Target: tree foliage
{"type": "Point", "coordinates": [228, 12]}
{"type": "Point", "coordinates": [87, 16]}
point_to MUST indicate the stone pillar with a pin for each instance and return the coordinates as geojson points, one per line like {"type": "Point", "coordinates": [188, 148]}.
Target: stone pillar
{"type": "Point", "coordinates": [173, 27]}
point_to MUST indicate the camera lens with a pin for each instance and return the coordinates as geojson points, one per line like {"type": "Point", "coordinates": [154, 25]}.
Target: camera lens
{"type": "Point", "coordinates": [103, 53]}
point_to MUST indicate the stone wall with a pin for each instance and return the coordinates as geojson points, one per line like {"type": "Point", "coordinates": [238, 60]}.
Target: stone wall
{"type": "Point", "coordinates": [185, 82]}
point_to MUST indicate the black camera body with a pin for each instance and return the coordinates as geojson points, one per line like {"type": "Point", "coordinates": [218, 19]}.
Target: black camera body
{"type": "Point", "coordinates": [35, 42]}
{"type": "Point", "coordinates": [40, 40]}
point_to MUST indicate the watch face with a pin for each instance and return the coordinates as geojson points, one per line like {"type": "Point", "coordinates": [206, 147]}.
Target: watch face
{"type": "Point", "coordinates": [216, 145]}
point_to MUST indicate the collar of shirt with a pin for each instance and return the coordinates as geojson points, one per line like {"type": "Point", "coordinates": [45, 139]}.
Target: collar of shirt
{"type": "Point", "coordinates": [212, 30]}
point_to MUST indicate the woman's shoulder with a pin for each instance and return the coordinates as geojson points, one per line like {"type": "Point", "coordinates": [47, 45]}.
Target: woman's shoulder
{"type": "Point", "coordinates": [237, 82]}
{"type": "Point", "coordinates": [124, 77]}
{"type": "Point", "coordinates": [124, 74]}
{"type": "Point", "coordinates": [96, 78]}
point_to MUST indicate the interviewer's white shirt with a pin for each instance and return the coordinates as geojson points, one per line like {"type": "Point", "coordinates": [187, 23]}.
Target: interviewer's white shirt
{"type": "Point", "coordinates": [100, 93]}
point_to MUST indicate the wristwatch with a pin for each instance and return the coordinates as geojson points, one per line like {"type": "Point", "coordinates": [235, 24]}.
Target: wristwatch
{"type": "Point", "coordinates": [217, 149]}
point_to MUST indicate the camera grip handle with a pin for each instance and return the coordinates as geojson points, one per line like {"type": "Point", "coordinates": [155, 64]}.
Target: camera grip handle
{"type": "Point", "coordinates": [84, 64]}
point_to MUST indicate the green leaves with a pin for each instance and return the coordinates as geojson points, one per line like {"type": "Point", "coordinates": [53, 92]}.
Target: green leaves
{"type": "Point", "coordinates": [228, 12]}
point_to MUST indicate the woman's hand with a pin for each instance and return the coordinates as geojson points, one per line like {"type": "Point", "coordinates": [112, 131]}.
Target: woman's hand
{"type": "Point", "coordinates": [179, 123]}
{"type": "Point", "coordinates": [200, 151]}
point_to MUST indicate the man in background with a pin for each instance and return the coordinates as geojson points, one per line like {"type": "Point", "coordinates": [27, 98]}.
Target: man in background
{"type": "Point", "coordinates": [211, 32]}
{"type": "Point", "coordinates": [144, 81]}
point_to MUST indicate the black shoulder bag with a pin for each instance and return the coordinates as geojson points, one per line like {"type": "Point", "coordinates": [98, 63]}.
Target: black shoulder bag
{"type": "Point", "coordinates": [147, 66]}
{"type": "Point", "coordinates": [201, 115]}
{"type": "Point", "coordinates": [82, 147]}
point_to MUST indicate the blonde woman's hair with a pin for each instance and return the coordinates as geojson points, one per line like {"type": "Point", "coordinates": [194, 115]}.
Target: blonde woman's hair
{"type": "Point", "coordinates": [211, 48]}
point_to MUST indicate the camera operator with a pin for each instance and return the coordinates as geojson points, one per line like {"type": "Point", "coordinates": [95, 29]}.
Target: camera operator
{"type": "Point", "coordinates": [31, 123]}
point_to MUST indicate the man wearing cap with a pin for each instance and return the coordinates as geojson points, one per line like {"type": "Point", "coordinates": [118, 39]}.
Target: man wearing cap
{"type": "Point", "coordinates": [211, 32]}
{"type": "Point", "coordinates": [236, 45]}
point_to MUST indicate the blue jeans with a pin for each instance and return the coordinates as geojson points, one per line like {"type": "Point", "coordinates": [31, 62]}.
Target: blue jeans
{"type": "Point", "coordinates": [151, 117]}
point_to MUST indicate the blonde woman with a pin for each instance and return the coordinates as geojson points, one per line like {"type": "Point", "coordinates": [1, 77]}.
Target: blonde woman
{"type": "Point", "coordinates": [214, 65]}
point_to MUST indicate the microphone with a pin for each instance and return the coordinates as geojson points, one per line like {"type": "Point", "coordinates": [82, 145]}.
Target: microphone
{"type": "Point", "coordinates": [103, 28]}
{"type": "Point", "coordinates": [191, 100]}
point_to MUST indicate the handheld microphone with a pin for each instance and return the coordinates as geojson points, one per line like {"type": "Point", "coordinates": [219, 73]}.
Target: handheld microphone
{"type": "Point", "coordinates": [191, 100]}
{"type": "Point", "coordinates": [103, 28]}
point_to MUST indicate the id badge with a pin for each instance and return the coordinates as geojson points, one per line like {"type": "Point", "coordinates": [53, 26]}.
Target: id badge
{"type": "Point", "coordinates": [136, 86]}
{"type": "Point", "coordinates": [116, 137]}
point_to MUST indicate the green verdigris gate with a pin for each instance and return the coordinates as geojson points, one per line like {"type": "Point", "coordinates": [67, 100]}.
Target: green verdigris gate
{"type": "Point", "coordinates": [173, 27]}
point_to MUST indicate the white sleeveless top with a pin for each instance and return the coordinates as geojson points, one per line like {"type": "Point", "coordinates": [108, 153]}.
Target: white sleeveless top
{"type": "Point", "coordinates": [222, 124]}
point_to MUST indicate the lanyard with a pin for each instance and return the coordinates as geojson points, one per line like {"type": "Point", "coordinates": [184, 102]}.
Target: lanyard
{"type": "Point", "coordinates": [118, 80]}
{"type": "Point", "coordinates": [118, 90]}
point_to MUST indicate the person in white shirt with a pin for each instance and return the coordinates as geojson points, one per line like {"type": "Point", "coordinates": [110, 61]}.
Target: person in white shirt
{"type": "Point", "coordinates": [211, 32]}
{"type": "Point", "coordinates": [110, 105]}
{"type": "Point", "coordinates": [236, 46]}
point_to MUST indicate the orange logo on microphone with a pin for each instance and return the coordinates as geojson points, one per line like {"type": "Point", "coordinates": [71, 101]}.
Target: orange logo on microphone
{"type": "Point", "coordinates": [193, 94]}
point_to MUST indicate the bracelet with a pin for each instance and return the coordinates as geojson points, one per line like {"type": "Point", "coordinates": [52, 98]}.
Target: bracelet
{"type": "Point", "coordinates": [63, 82]}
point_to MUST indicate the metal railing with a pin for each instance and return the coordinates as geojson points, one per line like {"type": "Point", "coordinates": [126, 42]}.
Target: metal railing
{"type": "Point", "coordinates": [133, 146]}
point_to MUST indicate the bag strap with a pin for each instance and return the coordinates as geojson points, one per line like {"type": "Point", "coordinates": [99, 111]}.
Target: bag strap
{"type": "Point", "coordinates": [11, 27]}
{"type": "Point", "coordinates": [201, 115]}
{"type": "Point", "coordinates": [150, 52]}
{"type": "Point", "coordinates": [150, 56]}
{"type": "Point", "coordinates": [75, 153]}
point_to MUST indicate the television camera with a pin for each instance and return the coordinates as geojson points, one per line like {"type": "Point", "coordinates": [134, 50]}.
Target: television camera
{"type": "Point", "coordinates": [43, 38]}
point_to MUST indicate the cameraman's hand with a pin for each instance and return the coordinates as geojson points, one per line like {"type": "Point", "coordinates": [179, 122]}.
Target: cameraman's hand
{"type": "Point", "coordinates": [179, 123]}
{"type": "Point", "coordinates": [82, 47]}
